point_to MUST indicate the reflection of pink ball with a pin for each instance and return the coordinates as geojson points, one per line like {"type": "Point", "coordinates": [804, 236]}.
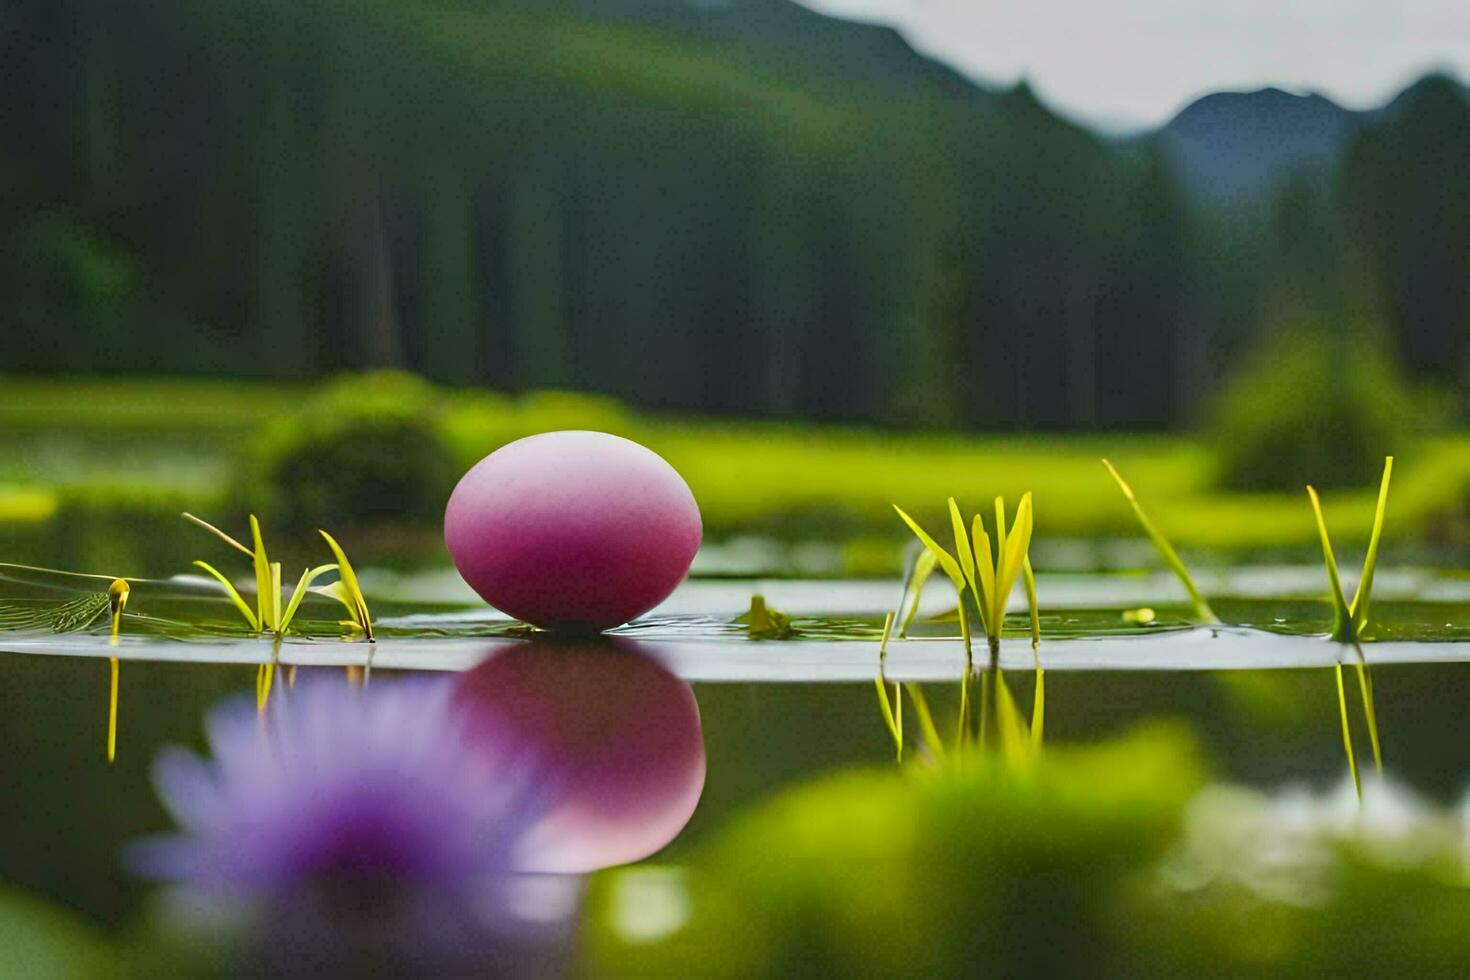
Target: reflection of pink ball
{"type": "Point", "coordinates": [609, 732]}
{"type": "Point", "coordinates": [572, 529]}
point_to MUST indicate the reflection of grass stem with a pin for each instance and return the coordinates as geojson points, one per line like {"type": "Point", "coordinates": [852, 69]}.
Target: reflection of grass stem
{"type": "Point", "coordinates": [1347, 735]}
{"type": "Point", "coordinates": [962, 723]}
{"type": "Point", "coordinates": [1038, 701]}
{"type": "Point", "coordinates": [892, 711]}
{"type": "Point", "coordinates": [112, 711]}
{"type": "Point", "coordinates": [932, 741]}
{"type": "Point", "coordinates": [1365, 687]}
{"type": "Point", "coordinates": [265, 676]}
{"type": "Point", "coordinates": [984, 572]}
{"type": "Point", "coordinates": [1350, 619]}
{"type": "Point", "coordinates": [117, 598]}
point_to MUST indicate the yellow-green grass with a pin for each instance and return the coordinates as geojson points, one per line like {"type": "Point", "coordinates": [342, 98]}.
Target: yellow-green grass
{"type": "Point", "coordinates": [147, 405]}
{"type": "Point", "coordinates": [26, 505]}
{"type": "Point", "coordinates": [802, 480]}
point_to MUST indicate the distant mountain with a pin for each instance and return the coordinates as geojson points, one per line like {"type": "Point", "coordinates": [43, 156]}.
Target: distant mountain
{"type": "Point", "coordinates": [1230, 148]}
{"type": "Point", "coordinates": [847, 51]}
{"type": "Point", "coordinates": [1435, 87]}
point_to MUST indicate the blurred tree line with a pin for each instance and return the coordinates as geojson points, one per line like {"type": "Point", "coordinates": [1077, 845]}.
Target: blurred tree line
{"type": "Point", "coordinates": [735, 209]}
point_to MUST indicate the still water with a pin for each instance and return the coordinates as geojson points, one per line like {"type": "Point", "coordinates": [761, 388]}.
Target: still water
{"type": "Point", "coordinates": [1259, 694]}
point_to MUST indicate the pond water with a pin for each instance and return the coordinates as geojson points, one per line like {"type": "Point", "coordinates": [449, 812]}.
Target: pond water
{"type": "Point", "coordinates": [1259, 694]}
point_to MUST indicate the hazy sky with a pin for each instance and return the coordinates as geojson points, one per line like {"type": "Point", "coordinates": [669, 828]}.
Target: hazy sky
{"type": "Point", "coordinates": [1133, 63]}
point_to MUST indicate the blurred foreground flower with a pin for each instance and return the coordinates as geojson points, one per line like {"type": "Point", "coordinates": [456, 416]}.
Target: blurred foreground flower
{"type": "Point", "coordinates": [357, 829]}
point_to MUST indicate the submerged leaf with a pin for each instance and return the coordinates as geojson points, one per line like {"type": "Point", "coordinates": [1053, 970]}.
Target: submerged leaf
{"type": "Point", "coordinates": [74, 614]}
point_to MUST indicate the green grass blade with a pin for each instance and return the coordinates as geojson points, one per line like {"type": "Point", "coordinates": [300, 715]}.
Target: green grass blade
{"type": "Point", "coordinates": [338, 591]}
{"type": "Point", "coordinates": [234, 595]}
{"type": "Point", "coordinates": [887, 632]}
{"type": "Point", "coordinates": [218, 533]}
{"type": "Point", "coordinates": [1342, 618]}
{"type": "Point", "coordinates": [275, 597]}
{"type": "Point", "coordinates": [1017, 545]}
{"type": "Point", "coordinates": [299, 593]}
{"type": "Point", "coordinates": [996, 614]}
{"type": "Point", "coordinates": [117, 599]}
{"type": "Point", "coordinates": [986, 561]}
{"type": "Point", "coordinates": [924, 566]}
{"type": "Point", "coordinates": [1364, 591]}
{"type": "Point", "coordinates": [965, 631]}
{"type": "Point", "coordinates": [1000, 530]}
{"type": "Point", "coordinates": [945, 559]}
{"type": "Point", "coordinates": [349, 583]}
{"type": "Point", "coordinates": [962, 545]}
{"type": "Point", "coordinates": [926, 722]}
{"type": "Point", "coordinates": [1175, 564]}
{"type": "Point", "coordinates": [264, 605]}
{"type": "Point", "coordinates": [1029, 577]}
{"type": "Point", "coordinates": [1347, 736]}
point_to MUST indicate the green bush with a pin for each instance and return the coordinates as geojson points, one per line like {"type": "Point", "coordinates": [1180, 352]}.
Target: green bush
{"type": "Point", "coordinates": [365, 448]}
{"type": "Point", "coordinates": [1116, 859]}
{"type": "Point", "coordinates": [1314, 407]}
{"type": "Point", "coordinates": [976, 870]}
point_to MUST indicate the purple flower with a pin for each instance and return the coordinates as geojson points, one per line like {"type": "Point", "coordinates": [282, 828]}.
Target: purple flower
{"type": "Point", "coordinates": [353, 822]}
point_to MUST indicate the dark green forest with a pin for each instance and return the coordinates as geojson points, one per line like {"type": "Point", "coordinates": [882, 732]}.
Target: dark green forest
{"type": "Point", "coordinates": [745, 209]}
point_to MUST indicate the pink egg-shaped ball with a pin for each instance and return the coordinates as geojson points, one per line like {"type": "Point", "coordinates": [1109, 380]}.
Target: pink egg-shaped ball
{"type": "Point", "coordinates": [572, 529]}
{"type": "Point", "coordinates": [608, 734]}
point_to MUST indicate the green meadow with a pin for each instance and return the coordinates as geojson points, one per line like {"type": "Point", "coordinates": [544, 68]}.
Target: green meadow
{"type": "Point", "coordinates": [73, 450]}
